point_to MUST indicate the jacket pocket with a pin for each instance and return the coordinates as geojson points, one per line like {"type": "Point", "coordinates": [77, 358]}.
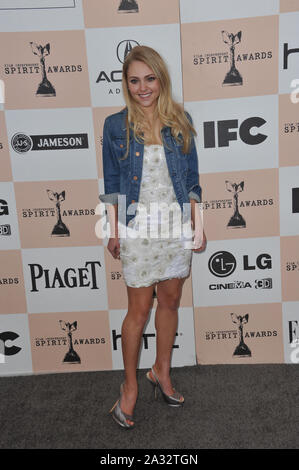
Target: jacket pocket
{"type": "Point", "coordinates": [119, 145]}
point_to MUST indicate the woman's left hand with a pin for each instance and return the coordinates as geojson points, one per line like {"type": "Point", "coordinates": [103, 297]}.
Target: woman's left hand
{"type": "Point", "coordinates": [200, 242]}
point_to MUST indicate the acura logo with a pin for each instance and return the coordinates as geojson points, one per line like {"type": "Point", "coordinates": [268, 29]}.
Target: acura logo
{"type": "Point", "coordinates": [124, 48]}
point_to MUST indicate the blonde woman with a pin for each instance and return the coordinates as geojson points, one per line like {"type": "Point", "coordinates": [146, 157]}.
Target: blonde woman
{"type": "Point", "coordinates": [149, 157]}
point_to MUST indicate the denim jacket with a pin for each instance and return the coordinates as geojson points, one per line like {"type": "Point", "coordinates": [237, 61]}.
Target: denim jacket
{"type": "Point", "coordinates": [123, 177]}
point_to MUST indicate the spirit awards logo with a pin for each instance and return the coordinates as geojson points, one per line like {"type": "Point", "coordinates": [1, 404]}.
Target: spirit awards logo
{"type": "Point", "coordinates": [128, 6]}
{"type": "Point", "coordinates": [230, 58]}
{"type": "Point", "coordinates": [233, 76]}
{"type": "Point", "coordinates": [71, 356]}
{"type": "Point", "coordinates": [45, 88]}
{"type": "Point", "coordinates": [59, 229]}
{"type": "Point", "coordinates": [242, 349]}
{"type": "Point", "coordinates": [236, 221]}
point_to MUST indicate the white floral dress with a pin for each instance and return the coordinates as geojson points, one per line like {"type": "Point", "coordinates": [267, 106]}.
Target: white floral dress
{"type": "Point", "coordinates": [163, 250]}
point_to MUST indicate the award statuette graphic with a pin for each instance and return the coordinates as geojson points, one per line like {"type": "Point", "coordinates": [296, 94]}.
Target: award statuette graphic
{"type": "Point", "coordinates": [45, 88]}
{"type": "Point", "coordinates": [128, 6]}
{"type": "Point", "coordinates": [242, 350]}
{"type": "Point", "coordinates": [71, 356]}
{"type": "Point", "coordinates": [233, 76]}
{"type": "Point", "coordinates": [236, 220]}
{"type": "Point", "coordinates": [59, 229]}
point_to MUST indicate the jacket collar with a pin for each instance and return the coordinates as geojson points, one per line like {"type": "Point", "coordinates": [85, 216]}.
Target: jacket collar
{"type": "Point", "coordinates": [165, 130]}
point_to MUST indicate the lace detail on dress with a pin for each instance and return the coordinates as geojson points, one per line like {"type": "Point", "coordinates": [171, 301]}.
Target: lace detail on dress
{"type": "Point", "coordinates": [147, 259]}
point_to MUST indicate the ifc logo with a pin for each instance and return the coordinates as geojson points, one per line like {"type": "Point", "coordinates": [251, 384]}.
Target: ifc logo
{"type": "Point", "coordinates": [222, 264]}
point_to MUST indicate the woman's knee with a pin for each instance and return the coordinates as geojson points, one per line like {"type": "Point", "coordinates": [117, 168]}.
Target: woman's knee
{"type": "Point", "coordinates": [139, 313]}
{"type": "Point", "coordinates": [169, 301]}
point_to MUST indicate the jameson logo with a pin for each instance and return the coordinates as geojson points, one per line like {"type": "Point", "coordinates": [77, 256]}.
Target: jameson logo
{"type": "Point", "coordinates": [231, 58]}
{"type": "Point", "coordinates": [23, 143]}
{"type": "Point", "coordinates": [43, 278]}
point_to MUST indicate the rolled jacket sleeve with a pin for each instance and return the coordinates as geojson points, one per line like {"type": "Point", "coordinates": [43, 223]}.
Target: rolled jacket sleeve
{"type": "Point", "coordinates": [111, 169]}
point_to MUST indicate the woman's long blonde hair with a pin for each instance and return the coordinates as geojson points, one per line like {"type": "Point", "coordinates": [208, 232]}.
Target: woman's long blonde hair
{"type": "Point", "coordinates": [169, 112]}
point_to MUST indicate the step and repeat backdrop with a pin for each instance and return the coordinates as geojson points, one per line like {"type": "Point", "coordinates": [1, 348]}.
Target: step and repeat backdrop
{"type": "Point", "coordinates": [235, 66]}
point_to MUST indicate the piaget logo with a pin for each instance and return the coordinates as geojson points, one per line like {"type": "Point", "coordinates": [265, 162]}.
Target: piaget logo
{"type": "Point", "coordinates": [55, 278]}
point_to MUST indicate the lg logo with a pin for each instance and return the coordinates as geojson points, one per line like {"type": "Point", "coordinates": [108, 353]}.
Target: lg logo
{"type": "Point", "coordinates": [3, 207]}
{"type": "Point", "coordinates": [223, 263]}
{"type": "Point", "coordinates": [225, 134]}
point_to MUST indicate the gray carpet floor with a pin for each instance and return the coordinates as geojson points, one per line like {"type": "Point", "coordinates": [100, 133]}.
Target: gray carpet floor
{"type": "Point", "coordinates": [226, 407]}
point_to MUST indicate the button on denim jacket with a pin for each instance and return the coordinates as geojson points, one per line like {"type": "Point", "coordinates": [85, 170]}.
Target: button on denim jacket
{"type": "Point", "coordinates": [123, 177]}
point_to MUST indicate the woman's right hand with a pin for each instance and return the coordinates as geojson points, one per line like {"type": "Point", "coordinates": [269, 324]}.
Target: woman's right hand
{"type": "Point", "coordinates": [114, 247]}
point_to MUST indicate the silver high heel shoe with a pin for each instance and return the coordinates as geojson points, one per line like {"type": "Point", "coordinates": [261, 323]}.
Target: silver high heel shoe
{"type": "Point", "coordinates": [119, 416]}
{"type": "Point", "coordinates": [171, 400]}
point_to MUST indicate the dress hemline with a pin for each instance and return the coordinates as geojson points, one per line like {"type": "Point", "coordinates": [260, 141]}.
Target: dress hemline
{"type": "Point", "coordinates": [159, 280]}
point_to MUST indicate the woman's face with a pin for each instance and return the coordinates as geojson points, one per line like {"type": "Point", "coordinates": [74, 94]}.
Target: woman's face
{"type": "Point", "coordinates": [143, 85]}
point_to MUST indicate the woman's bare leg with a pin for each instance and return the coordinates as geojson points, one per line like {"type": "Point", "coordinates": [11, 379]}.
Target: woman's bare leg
{"type": "Point", "coordinates": [166, 320]}
{"type": "Point", "coordinates": [139, 304]}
